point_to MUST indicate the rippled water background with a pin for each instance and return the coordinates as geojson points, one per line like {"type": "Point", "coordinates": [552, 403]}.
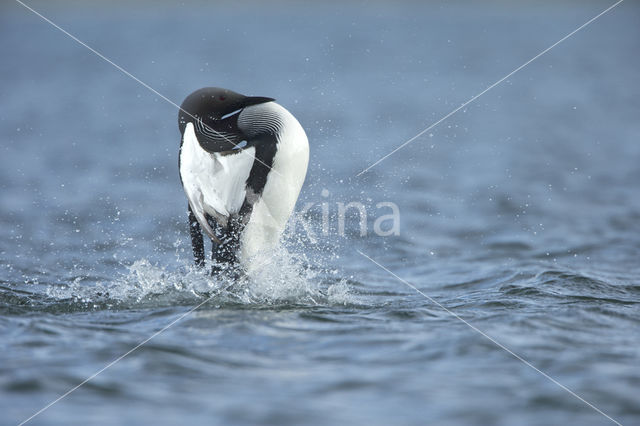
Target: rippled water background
{"type": "Point", "coordinates": [521, 214]}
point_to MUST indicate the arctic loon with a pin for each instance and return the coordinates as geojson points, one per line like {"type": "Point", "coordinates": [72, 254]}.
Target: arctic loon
{"type": "Point", "coordinates": [243, 160]}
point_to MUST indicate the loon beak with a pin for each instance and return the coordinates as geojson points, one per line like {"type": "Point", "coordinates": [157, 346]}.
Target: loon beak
{"type": "Point", "coordinates": [255, 100]}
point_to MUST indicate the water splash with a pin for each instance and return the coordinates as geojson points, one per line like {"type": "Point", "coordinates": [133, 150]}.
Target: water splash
{"type": "Point", "coordinates": [279, 279]}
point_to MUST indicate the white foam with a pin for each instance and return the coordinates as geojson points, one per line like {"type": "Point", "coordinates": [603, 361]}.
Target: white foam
{"type": "Point", "coordinates": [280, 278]}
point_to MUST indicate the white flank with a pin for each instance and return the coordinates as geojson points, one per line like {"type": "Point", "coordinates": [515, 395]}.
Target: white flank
{"type": "Point", "coordinates": [272, 210]}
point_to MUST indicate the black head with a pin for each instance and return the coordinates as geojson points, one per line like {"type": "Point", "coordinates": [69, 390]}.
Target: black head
{"type": "Point", "coordinates": [214, 113]}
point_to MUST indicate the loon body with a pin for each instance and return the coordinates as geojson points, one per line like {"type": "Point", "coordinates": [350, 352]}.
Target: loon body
{"type": "Point", "coordinates": [242, 163]}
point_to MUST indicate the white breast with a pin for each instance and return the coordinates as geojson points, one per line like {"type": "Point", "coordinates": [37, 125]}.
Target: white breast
{"type": "Point", "coordinates": [214, 183]}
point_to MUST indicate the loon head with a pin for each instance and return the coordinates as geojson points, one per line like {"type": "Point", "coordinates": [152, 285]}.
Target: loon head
{"type": "Point", "coordinates": [214, 113]}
